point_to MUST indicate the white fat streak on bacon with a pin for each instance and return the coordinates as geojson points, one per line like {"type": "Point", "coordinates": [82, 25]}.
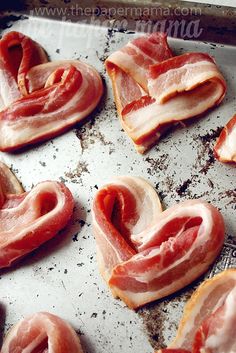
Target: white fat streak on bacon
{"type": "Point", "coordinates": [178, 108]}
{"type": "Point", "coordinates": [146, 198]}
{"type": "Point", "coordinates": [59, 335]}
{"type": "Point", "coordinates": [182, 79]}
{"type": "Point", "coordinates": [18, 221]}
{"type": "Point", "coordinates": [17, 132]}
{"type": "Point", "coordinates": [227, 151]}
{"type": "Point", "coordinates": [210, 295]}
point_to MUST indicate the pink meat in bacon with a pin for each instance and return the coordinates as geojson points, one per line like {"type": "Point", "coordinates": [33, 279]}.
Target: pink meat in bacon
{"type": "Point", "coordinates": [225, 148]}
{"type": "Point", "coordinates": [173, 88]}
{"type": "Point", "coordinates": [63, 93]}
{"type": "Point", "coordinates": [18, 53]}
{"type": "Point", "coordinates": [145, 254]}
{"type": "Point", "coordinates": [209, 320]}
{"type": "Point", "coordinates": [28, 219]}
{"type": "Point", "coordinates": [42, 333]}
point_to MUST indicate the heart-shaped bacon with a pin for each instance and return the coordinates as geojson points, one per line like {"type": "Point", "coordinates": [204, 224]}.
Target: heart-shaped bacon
{"type": "Point", "coordinates": [154, 90]}
{"type": "Point", "coordinates": [72, 90]}
{"type": "Point", "coordinates": [41, 99]}
{"type": "Point", "coordinates": [145, 254]}
{"type": "Point", "coordinates": [42, 333]}
{"type": "Point", "coordinates": [28, 219]}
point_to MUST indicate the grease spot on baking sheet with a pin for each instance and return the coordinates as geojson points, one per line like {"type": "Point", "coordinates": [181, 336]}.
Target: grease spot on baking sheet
{"type": "Point", "coordinates": [75, 176]}
{"type": "Point", "coordinates": [183, 187]}
{"type": "Point", "coordinates": [160, 163]}
{"type": "Point", "coordinates": [159, 323]}
{"type": "Point", "coordinates": [109, 35]}
{"type": "Point", "coordinates": [205, 156]}
{"type": "Point", "coordinates": [90, 134]}
{"type": "Point", "coordinates": [229, 194]}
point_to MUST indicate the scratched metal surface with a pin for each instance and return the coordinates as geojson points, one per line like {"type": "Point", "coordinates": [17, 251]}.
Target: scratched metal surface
{"type": "Point", "coordinates": [62, 276]}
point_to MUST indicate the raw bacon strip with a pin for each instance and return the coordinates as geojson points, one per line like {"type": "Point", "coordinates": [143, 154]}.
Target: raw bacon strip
{"type": "Point", "coordinates": [179, 88]}
{"type": "Point", "coordinates": [72, 90]}
{"type": "Point", "coordinates": [128, 66]}
{"type": "Point", "coordinates": [225, 148]}
{"type": "Point", "coordinates": [144, 254]}
{"type": "Point", "coordinates": [42, 333]}
{"type": "Point", "coordinates": [18, 53]}
{"type": "Point", "coordinates": [209, 320]}
{"type": "Point", "coordinates": [29, 219]}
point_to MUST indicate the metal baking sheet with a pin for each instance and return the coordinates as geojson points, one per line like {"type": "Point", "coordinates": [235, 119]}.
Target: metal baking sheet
{"type": "Point", "coordinates": [62, 276]}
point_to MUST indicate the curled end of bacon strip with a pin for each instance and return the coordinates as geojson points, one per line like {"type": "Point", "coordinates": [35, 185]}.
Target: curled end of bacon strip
{"type": "Point", "coordinates": [28, 219]}
{"type": "Point", "coordinates": [225, 148]}
{"type": "Point", "coordinates": [42, 332]}
{"type": "Point", "coordinates": [18, 53]}
{"type": "Point", "coordinates": [145, 254]}
{"type": "Point", "coordinates": [209, 319]}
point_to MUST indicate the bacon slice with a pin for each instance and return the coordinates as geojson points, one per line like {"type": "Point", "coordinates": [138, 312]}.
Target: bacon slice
{"type": "Point", "coordinates": [209, 319]}
{"type": "Point", "coordinates": [225, 148]}
{"type": "Point", "coordinates": [28, 219]}
{"type": "Point", "coordinates": [18, 53]}
{"type": "Point", "coordinates": [71, 90]}
{"type": "Point", "coordinates": [145, 254]}
{"type": "Point", "coordinates": [176, 88]}
{"type": "Point", "coordinates": [42, 333]}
